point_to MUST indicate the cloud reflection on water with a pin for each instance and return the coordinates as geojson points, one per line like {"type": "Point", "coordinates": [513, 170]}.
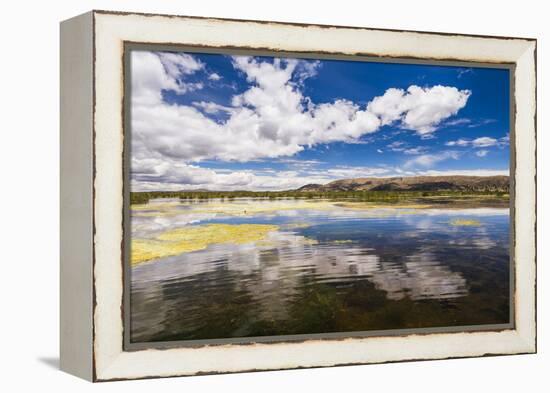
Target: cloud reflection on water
{"type": "Point", "coordinates": [398, 252]}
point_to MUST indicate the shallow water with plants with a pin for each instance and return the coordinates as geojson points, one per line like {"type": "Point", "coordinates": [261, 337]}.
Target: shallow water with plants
{"type": "Point", "coordinates": [261, 267]}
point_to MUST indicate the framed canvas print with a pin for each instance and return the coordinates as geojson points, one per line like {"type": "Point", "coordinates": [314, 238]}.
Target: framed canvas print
{"type": "Point", "coordinates": [245, 195]}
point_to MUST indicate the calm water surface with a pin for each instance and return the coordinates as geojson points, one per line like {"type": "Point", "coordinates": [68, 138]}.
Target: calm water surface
{"type": "Point", "coordinates": [325, 269]}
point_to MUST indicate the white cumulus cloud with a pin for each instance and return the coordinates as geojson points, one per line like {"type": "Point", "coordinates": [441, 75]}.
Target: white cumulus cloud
{"type": "Point", "coordinates": [483, 141]}
{"type": "Point", "coordinates": [214, 77]}
{"type": "Point", "coordinates": [154, 72]}
{"type": "Point", "coordinates": [155, 174]}
{"type": "Point", "coordinates": [271, 119]}
{"type": "Point", "coordinates": [419, 108]}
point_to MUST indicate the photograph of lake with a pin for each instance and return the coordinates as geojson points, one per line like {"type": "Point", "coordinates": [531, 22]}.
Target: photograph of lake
{"type": "Point", "coordinates": [281, 196]}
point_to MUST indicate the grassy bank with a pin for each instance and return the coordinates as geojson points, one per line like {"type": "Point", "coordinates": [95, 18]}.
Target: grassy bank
{"type": "Point", "coordinates": [363, 196]}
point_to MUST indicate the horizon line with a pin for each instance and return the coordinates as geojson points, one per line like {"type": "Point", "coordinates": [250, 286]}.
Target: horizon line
{"type": "Point", "coordinates": [203, 189]}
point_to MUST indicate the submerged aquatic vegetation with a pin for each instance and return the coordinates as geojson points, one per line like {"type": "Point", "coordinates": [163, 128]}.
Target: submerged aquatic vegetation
{"type": "Point", "coordinates": [307, 271]}
{"type": "Point", "coordinates": [461, 222]}
{"type": "Point", "coordinates": [193, 238]}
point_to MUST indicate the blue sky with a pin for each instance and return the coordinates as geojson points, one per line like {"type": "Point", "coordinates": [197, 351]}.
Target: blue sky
{"type": "Point", "coordinates": [224, 122]}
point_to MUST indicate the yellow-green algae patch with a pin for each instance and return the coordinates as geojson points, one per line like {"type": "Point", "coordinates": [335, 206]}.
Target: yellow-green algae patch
{"type": "Point", "coordinates": [253, 207]}
{"type": "Point", "coordinates": [157, 206]}
{"type": "Point", "coordinates": [195, 238]}
{"type": "Point", "coordinates": [230, 208]}
{"type": "Point", "coordinates": [460, 222]}
{"type": "Point", "coordinates": [240, 208]}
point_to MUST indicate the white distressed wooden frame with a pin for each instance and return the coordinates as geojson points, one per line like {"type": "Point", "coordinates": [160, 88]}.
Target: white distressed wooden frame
{"type": "Point", "coordinates": [92, 194]}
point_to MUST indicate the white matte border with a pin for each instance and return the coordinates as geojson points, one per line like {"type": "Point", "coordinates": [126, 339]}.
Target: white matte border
{"type": "Point", "coordinates": [112, 30]}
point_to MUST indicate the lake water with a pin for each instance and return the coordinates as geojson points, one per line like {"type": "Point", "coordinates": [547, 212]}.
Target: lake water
{"type": "Point", "coordinates": [313, 267]}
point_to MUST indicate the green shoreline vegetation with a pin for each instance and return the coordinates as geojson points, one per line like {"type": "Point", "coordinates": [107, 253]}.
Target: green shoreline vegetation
{"type": "Point", "coordinates": [137, 198]}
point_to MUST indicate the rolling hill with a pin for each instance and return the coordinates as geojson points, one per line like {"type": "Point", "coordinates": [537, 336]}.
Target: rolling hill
{"type": "Point", "coordinates": [416, 183]}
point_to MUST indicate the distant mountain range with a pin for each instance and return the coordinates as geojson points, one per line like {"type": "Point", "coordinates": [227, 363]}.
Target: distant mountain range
{"type": "Point", "coordinates": [416, 183]}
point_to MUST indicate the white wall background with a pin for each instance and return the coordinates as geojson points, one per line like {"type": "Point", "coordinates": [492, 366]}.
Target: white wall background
{"type": "Point", "coordinates": [29, 195]}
